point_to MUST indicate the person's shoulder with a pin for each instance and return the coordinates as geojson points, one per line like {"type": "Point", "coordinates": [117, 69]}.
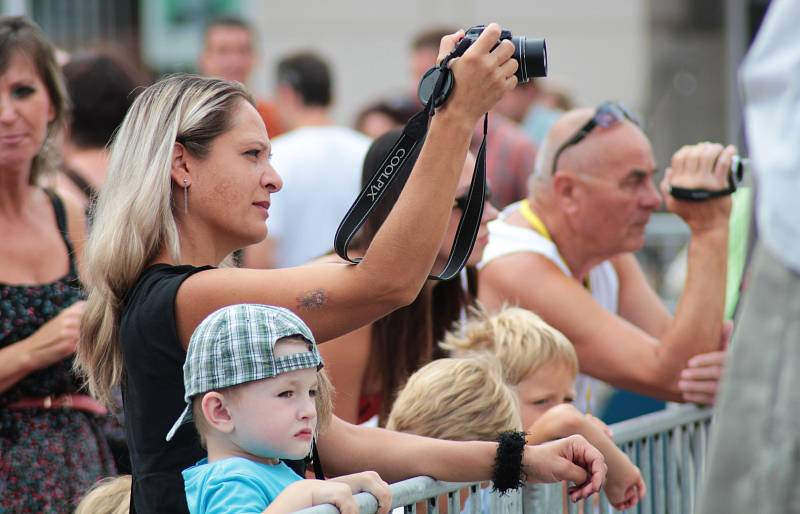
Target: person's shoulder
{"type": "Point", "coordinates": [504, 234]}
{"type": "Point", "coordinates": [235, 465]}
{"type": "Point", "coordinates": [354, 137]}
{"type": "Point", "coordinates": [301, 137]}
{"type": "Point", "coordinates": [211, 487]}
{"type": "Point", "coordinates": [159, 282]}
{"type": "Point", "coordinates": [229, 469]}
{"type": "Point", "coordinates": [160, 272]}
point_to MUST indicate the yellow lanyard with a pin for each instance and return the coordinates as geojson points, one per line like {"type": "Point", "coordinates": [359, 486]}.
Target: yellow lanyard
{"type": "Point", "coordinates": [538, 226]}
{"type": "Point", "coordinates": [534, 220]}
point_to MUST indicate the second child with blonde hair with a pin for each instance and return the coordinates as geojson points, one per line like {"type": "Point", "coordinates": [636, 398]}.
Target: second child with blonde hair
{"type": "Point", "coordinates": [458, 400]}
{"type": "Point", "coordinates": [111, 495]}
{"type": "Point", "coordinates": [540, 363]}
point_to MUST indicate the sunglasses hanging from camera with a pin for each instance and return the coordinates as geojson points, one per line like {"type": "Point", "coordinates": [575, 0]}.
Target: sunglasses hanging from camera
{"type": "Point", "coordinates": [434, 89]}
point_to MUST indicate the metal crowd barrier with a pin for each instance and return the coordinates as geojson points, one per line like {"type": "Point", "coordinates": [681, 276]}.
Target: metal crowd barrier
{"type": "Point", "coordinates": [668, 446]}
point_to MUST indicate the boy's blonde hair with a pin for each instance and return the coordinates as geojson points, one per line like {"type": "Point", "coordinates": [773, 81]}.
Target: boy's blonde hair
{"type": "Point", "coordinates": [323, 401]}
{"type": "Point", "coordinates": [521, 340]}
{"type": "Point", "coordinates": [111, 495]}
{"type": "Point", "coordinates": [457, 399]}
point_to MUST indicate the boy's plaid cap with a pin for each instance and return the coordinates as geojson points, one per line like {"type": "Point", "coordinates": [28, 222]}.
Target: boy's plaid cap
{"type": "Point", "coordinates": [235, 345]}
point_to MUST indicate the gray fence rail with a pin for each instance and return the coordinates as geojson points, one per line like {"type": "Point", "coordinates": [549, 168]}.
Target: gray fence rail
{"type": "Point", "coordinates": [668, 446]}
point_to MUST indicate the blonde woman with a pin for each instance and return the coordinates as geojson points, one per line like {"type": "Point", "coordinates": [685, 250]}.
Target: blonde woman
{"type": "Point", "coordinates": [190, 181]}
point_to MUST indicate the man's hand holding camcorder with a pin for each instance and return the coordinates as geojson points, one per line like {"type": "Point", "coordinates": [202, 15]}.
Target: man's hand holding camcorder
{"type": "Point", "coordinates": [482, 75]}
{"type": "Point", "coordinates": [701, 166]}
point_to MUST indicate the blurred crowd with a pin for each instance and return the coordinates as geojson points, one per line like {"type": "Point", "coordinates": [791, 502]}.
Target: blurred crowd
{"type": "Point", "coordinates": [116, 247]}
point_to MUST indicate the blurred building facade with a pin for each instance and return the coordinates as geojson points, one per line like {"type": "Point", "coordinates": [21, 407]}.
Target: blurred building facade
{"type": "Point", "coordinates": [673, 61]}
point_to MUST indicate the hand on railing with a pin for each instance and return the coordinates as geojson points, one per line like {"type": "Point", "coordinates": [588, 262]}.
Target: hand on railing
{"type": "Point", "coordinates": [625, 488]}
{"type": "Point", "coordinates": [699, 382]}
{"type": "Point", "coordinates": [572, 459]}
{"type": "Point", "coordinates": [369, 482]}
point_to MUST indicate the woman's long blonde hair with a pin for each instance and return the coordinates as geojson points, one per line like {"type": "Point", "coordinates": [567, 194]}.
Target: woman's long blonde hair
{"type": "Point", "coordinates": [133, 219]}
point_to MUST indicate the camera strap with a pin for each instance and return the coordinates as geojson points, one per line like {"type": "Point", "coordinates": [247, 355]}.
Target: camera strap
{"type": "Point", "coordinates": [395, 167]}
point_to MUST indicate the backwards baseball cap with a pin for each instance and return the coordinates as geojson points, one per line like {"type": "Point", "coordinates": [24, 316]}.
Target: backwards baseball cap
{"type": "Point", "coordinates": [235, 345]}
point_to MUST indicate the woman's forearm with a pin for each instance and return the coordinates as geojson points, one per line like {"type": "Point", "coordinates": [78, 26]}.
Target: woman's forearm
{"type": "Point", "coordinates": [14, 365]}
{"type": "Point", "coordinates": [404, 249]}
{"type": "Point", "coordinates": [346, 448]}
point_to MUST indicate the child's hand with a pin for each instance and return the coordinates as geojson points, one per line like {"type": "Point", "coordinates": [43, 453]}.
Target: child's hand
{"type": "Point", "coordinates": [625, 487]}
{"type": "Point", "coordinates": [330, 491]}
{"type": "Point", "coordinates": [370, 482]}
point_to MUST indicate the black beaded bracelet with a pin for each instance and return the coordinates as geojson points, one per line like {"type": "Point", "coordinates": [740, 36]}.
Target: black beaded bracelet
{"type": "Point", "coordinates": [507, 473]}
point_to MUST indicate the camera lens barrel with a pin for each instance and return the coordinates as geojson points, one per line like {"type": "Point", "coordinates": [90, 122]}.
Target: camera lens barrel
{"type": "Point", "coordinates": [531, 54]}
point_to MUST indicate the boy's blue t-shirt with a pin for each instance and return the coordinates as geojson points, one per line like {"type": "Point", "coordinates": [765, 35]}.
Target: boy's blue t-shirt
{"type": "Point", "coordinates": [235, 485]}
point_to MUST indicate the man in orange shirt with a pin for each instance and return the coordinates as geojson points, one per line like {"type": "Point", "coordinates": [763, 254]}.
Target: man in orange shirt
{"type": "Point", "coordinates": [229, 53]}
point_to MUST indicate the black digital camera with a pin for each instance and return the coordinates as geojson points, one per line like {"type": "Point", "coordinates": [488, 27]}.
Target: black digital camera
{"type": "Point", "coordinates": [531, 54]}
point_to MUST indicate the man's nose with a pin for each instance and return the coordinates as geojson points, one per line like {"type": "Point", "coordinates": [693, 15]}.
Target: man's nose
{"type": "Point", "coordinates": [651, 198]}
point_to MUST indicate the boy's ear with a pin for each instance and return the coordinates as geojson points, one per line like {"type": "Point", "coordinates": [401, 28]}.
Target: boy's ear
{"type": "Point", "coordinates": [215, 409]}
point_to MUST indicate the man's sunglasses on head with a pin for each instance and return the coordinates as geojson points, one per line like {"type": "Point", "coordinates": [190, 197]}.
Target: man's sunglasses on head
{"type": "Point", "coordinates": [607, 115]}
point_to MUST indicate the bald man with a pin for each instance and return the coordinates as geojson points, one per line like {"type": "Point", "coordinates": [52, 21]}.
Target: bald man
{"type": "Point", "coordinates": [566, 253]}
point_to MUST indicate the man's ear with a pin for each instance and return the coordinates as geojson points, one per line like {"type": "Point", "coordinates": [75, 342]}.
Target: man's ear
{"type": "Point", "coordinates": [179, 169]}
{"type": "Point", "coordinates": [215, 408]}
{"type": "Point", "coordinates": [564, 190]}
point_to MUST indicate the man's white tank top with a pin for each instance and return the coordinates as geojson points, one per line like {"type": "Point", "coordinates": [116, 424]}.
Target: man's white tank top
{"type": "Point", "coordinates": [505, 239]}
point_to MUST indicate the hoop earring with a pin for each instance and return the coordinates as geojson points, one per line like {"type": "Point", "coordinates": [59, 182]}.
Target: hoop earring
{"type": "Point", "coordinates": [185, 197]}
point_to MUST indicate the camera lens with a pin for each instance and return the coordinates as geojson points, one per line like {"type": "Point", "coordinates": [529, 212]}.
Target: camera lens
{"type": "Point", "coordinates": [531, 54]}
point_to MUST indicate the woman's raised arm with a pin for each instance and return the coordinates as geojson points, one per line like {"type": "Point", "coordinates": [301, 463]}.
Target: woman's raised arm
{"type": "Point", "coordinates": [335, 298]}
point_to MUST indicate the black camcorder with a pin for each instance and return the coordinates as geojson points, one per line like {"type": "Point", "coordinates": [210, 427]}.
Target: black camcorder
{"type": "Point", "coordinates": [736, 176]}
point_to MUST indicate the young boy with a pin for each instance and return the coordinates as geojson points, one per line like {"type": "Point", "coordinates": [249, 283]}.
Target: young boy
{"type": "Point", "coordinates": [463, 399]}
{"type": "Point", "coordinates": [540, 364]}
{"type": "Point", "coordinates": [257, 394]}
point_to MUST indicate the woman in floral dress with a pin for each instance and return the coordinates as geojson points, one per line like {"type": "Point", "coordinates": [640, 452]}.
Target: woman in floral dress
{"type": "Point", "coordinates": [51, 446]}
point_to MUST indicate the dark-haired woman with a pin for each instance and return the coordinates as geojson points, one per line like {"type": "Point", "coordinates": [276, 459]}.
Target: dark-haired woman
{"type": "Point", "coordinates": [368, 365]}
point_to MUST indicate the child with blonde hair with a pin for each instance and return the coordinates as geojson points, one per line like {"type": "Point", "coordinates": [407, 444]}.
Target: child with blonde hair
{"type": "Point", "coordinates": [457, 399]}
{"type": "Point", "coordinates": [255, 388]}
{"type": "Point", "coordinates": [540, 363]}
{"type": "Point", "coordinates": [111, 495]}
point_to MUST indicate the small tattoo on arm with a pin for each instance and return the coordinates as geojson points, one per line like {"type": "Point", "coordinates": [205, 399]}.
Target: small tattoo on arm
{"type": "Point", "coordinates": [312, 300]}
